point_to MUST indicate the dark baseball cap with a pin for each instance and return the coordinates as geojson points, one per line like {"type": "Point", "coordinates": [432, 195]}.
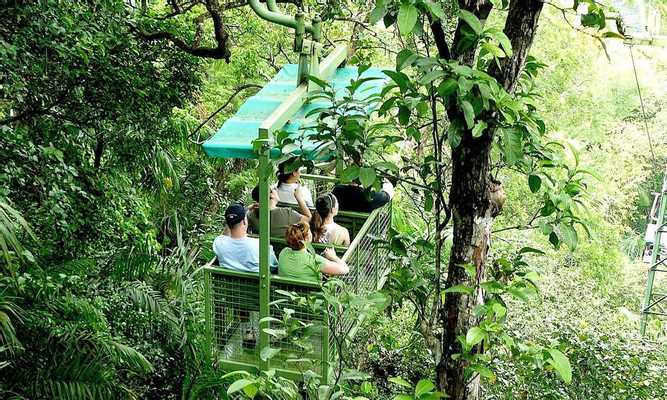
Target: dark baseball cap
{"type": "Point", "coordinates": [235, 213]}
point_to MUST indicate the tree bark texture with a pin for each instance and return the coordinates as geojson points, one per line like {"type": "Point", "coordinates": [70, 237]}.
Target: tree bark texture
{"type": "Point", "coordinates": [475, 200]}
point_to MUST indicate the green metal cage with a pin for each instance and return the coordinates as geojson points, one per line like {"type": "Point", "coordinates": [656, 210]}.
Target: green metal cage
{"type": "Point", "coordinates": [233, 305]}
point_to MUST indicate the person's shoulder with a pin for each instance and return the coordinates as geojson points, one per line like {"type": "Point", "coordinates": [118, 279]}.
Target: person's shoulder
{"type": "Point", "coordinates": [219, 239]}
{"type": "Point", "coordinates": [251, 240]}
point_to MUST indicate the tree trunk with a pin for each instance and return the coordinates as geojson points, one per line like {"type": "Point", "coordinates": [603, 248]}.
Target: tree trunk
{"type": "Point", "coordinates": [474, 201]}
{"type": "Point", "coordinates": [472, 215]}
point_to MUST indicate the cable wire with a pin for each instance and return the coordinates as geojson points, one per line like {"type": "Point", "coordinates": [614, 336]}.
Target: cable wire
{"type": "Point", "coordinates": [641, 102]}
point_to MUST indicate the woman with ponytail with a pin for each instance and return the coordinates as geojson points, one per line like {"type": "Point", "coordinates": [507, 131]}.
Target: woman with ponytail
{"type": "Point", "coordinates": [325, 230]}
{"type": "Point", "coordinates": [288, 185]}
{"type": "Point", "coordinates": [296, 262]}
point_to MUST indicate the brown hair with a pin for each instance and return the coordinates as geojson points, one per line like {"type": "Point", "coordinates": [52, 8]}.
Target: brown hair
{"type": "Point", "coordinates": [296, 235]}
{"type": "Point", "coordinates": [323, 205]}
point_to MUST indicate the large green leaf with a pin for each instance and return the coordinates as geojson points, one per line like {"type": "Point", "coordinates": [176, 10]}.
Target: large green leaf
{"type": "Point", "coordinates": [350, 173]}
{"type": "Point", "coordinates": [378, 12]}
{"type": "Point", "coordinates": [474, 336]}
{"type": "Point", "coordinates": [367, 176]}
{"type": "Point", "coordinates": [471, 20]}
{"type": "Point", "coordinates": [423, 386]}
{"type": "Point", "coordinates": [512, 147]}
{"type": "Point", "coordinates": [534, 183]}
{"type": "Point", "coordinates": [561, 364]}
{"type": "Point", "coordinates": [407, 17]}
{"type": "Point", "coordinates": [468, 113]}
{"type": "Point", "coordinates": [447, 87]}
{"type": "Point", "coordinates": [569, 235]}
{"type": "Point", "coordinates": [238, 385]}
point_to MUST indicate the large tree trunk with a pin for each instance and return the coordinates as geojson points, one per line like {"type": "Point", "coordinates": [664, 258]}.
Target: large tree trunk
{"type": "Point", "coordinates": [475, 200]}
{"type": "Point", "coordinates": [472, 215]}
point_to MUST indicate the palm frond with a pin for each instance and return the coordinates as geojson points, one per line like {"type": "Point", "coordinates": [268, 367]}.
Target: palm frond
{"type": "Point", "coordinates": [12, 222]}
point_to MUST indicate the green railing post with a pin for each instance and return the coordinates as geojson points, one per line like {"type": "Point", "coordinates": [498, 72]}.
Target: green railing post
{"type": "Point", "coordinates": [661, 224]}
{"type": "Point", "coordinates": [264, 244]}
{"type": "Point", "coordinates": [208, 310]}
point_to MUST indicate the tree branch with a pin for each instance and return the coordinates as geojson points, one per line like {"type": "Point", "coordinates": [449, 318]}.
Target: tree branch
{"type": "Point", "coordinates": [439, 37]}
{"type": "Point", "coordinates": [229, 100]}
{"type": "Point", "coordinates": [520, 28]}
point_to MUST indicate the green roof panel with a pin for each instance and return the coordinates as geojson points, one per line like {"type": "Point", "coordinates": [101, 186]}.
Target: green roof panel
{"type": "Point", "coordinates": [234, 139]}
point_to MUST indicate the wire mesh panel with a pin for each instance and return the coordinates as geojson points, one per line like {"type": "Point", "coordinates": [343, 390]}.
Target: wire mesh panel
{"type": "Point", "coordinates": [304, 320]}
{"type": "Point", "coordinates": [234, 323]}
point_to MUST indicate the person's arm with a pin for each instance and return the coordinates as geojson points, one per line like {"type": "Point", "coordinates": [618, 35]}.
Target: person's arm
{"type": "Point", "coordinates": [378, 199]}
{"type": "Point", "coordinates": [346, 236]}
{"type": "Point", "coordinates": [388, 188]}
{"type": "Point", "coordinates": [333, 265]}
{"type": "Point", "coordinates": [303, 208]}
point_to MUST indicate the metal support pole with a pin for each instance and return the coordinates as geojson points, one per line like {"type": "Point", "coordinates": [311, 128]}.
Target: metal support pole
{"type": "Point", "coordinates": [656, 261]}
{"type": "Point", "coordinates": [264, 246]}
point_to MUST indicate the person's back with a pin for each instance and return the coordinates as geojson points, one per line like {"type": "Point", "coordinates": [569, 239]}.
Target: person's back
{"type": "Point", "coordinates": [334, 234]}
{"type": "Point", "coordinates": [296, 262]}
{"type": "Point", "coordinates": [323, 226]}
{"type": "Point", "coordinates": [355, 198]}
{"type": "Point", "coordinates": [280, 217]}
{"type": "Point", "coordinates": [237, 251]}
{"type": "Point", "coordinates": [239, 254]}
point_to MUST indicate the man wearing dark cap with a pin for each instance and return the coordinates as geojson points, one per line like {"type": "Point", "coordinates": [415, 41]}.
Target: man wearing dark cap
{"type": "Point", "coordinates": [238, 251]}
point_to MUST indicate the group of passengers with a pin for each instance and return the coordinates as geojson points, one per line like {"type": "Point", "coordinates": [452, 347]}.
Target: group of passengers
{"type": "Point", "coordinates": [236, 250]}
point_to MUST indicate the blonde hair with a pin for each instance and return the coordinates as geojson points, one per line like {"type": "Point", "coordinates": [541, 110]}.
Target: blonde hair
{"type": "Point", "coordinates": [296, 235]}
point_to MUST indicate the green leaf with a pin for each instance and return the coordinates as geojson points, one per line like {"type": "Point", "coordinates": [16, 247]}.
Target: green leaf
{"type": "Point", "coordinates": [319, 82]}
{"type": "Point", "coordinates": [403, 115]}
{"type": "Point", "coordinates": [569, 235]}
{"type": "Point", "coordinates": [545, 228]}
{"type": "Point", "coordinates": [534, 183]}
{"type": "Point", "coordinates": [512, 146]}
{"type": "Point", "coordinates": [238, 385]}
{"type": "Point", "coordinates": [468, 113]}
{"type": "Point", "coordinates": [502, 39]}
{"type": "Point", "coordinates": [423, 386]}
{"type": "Point", "coordinates": [251, 391]}
{"type": "Point", "coordinates": [268, 353]}
{"type": "Point", "coordinates": [400, 381]}
{"type": "Point", "coordinates": [471, 20]}
{"type": "Point", "coordinates": [367, 176]}
{"type": "Point", "coordinates": [405, 58]}
{"type": "Point", "coordinates": [474, 336]}
{"type": "Point", "coordinates": [431, 76]}
{"type": "Point", "coordinates": [447, 87]}
{"type": "Point", "coordinates": [479, 128]}
{"type": "Point", "coordinates": [527, 249]}
{"type": "Point", "coordinates": [612, 35]}
{"type": "Point", "coordinates": [561, 364]}
{"type": "Point", "coordinates": [435, 9]}
{"type": "Point", "coordinates": [378, 12]}
{"type": "Point", "coordinates": [407, 17]}
{"type": "Point", "coordinates": [459, 289]}
{"type": "Point", "coordinates": [350, 173]}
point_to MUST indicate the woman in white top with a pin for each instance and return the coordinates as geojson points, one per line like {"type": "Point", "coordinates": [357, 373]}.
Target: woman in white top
{"type": "Point", "coordinates": [324, 229]}
{"type": "Point", "coordinates": [288, 183]}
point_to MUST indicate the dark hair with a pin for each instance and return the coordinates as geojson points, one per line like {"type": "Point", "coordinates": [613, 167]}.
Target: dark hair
{"type": "Point", "coordinates": [296, 235]}
{"type": "Point", "coordinates": [281, 174]}
{"type": "Point", "coordinates": [255, 193]}
{"type": "Point", "coordinates": [323, 205]}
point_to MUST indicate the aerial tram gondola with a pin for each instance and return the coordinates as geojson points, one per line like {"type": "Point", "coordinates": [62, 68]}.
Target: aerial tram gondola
{"type": "Point", "coordinates": [239, 305]}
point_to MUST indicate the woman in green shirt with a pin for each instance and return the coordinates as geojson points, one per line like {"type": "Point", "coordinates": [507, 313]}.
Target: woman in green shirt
{"type": "Point", "coordinates": [296, 262]}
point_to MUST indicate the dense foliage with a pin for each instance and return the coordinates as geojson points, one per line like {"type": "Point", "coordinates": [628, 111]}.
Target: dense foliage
{"type": "Point", "coordinates": [108, 205]}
